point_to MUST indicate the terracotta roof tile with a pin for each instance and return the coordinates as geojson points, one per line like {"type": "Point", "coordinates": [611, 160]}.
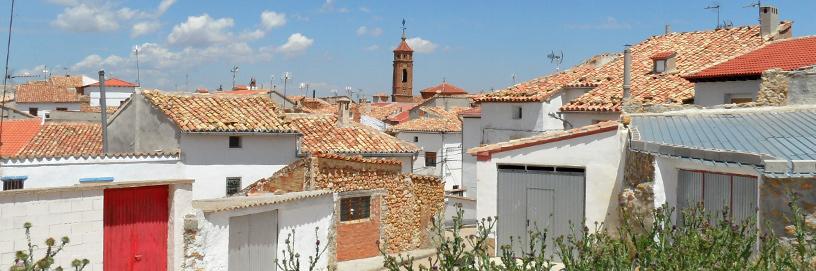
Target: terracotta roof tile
{"type": "Point", "coordinates": [444, 88]}
{"type": "Point", "coordinates": [57, 139]}
{"type": "Point", "coordinates": [694, 50]}
{"type": "Point", "coordinates": [403, 47]}
{"type": "Point", "coordinates": [116, 82]}
{"type": "Point", "coordinates": [322, 134]}
{"type": "Point", "coordinates": [42, 92]}
{"type": "Point", "coordinates": [663, 55]}
{"type": "Point", "coordinates": [16, 135]}
{"type": "Point", "coordinates": [472, 112]}
{"type": "Point", "coordinates": [788, 54]}
{"type": "Point", "coordinates": [543, 138]}
{"type": "Point", "coordinates": [71, 81]}
{"type": "Point", "coordinates": [220, 113]}
{"type": "Point", "coordinates": [436, 119]}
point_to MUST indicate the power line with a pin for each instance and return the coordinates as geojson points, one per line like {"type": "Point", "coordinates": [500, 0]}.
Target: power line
{"type": "Point", "coordinates": [6, 74]}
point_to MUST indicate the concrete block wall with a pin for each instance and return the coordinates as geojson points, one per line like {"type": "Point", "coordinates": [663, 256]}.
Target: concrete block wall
{"type": "Point", "coordinates": [76, 214]}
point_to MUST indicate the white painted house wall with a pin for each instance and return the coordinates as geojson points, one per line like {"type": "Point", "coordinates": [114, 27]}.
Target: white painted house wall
{"type": "Point", "coordinates": [581, 119]}
{"type": "Point", "coordinates": [471, 137]}
{"type": "Point", "coordinates": [601, 155]}
{"type": "Point", "coordinates": [113, 95]}
{"type": "Point", "coordinates": [716, 93]}
{"type": "Point", "coordinates": [56, 172]}
{"type": "Point", "coordinates": [498, 124]}
{"type": "Point", "coordinates": [302, 216]}
{"type": "Point", "coordinates": [76, 212]}
{"type": "Point", "coordinates": [43, 108]}
{"type": "Point", "coordinates": [209, 160]}
{"type": "Point", "coordinates": [448, 148]}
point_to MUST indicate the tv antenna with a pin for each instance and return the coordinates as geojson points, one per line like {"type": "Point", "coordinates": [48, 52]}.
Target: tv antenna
{"type": "Point", "coordinates": [756, 5]}
{"type": "Point", "coordinates": [716, 7]}
{"type": "Point", "coordinates": [556, 58]}
{"type": "Point", "coordinates": [234, 72]}
{"type": "Point", "coordinates": [514, 78]}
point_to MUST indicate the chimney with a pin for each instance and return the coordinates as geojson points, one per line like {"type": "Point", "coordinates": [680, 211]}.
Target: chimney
{"type": "Point", "coordinates": [627, 72]}
{"type": "Point", "coordinates": [104, 110]}
{"type": "Point", "coordinates": [768, 20]}
{"type": "Point", "coordinates": [343, 110]}
{"type": "Point", "coordinates": [667, 29]}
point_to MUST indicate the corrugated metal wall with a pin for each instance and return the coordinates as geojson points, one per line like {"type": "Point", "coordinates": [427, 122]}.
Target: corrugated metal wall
{"type": "Point", "coordinates": [253, 241]}
{"type": "Point", "coordinates": [717, 191]}
{"type": "Point", "coordinates": [548, 200]}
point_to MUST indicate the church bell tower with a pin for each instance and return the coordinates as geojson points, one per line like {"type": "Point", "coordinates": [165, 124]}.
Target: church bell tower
{"type": "Point", "coordinates": [403, 81]}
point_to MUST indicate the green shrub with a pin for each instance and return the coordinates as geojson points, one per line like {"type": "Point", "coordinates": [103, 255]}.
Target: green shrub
{"type": "Point", "coordinates": [27, 261]}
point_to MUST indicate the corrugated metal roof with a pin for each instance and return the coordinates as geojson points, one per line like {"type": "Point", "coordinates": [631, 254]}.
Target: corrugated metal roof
{"type": "Point", "coordinates": [239, 202]}
{"type": "Point", "coordinates": [783, 133]}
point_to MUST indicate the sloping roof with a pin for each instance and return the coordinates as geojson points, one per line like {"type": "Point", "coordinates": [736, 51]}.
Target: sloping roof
{"type": "Point", "coordinates": [787, 54]}
{"type": "Point", "coordinates": [56, 139]}
{"type": "Point", "coordinates": [473, 112]}
{"type": "Point", "coordinates": [314, 105]}
{"type": "Point", "coordinates": [16, 135]}
{"type": "Point", "coordinates": [444, 88]}
{"type": "Point", "coordinates": [322, 134]}
{"type": "Point", "coordinates": [220, 113]}
{"type": "Point", "coordinates": [381, 111]}
{"type": "Point", "coordinates": [437, 119]}
{"type": "Point", "coordinates": [543, 138]}
{"type": "Point", "coordinates": [241, 202]}
{"type": "Point", "coordinates": [67, 81]}
{"type": "Point", "coordinates": [787, 133]}
{"type": "Point", "coordinates": [116, 82]}
{"type": "Point", "coordinates": [694, 51]}
{"type": "Point", "coordinates": [42, 92]}
{"type": "Point", "coordinates": [540, 89]}
{"type": "Point", "coordinates": [403, 47]}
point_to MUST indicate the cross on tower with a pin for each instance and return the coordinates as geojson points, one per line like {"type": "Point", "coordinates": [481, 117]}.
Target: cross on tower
{"type": "Point", "coordinates": [403, 28]}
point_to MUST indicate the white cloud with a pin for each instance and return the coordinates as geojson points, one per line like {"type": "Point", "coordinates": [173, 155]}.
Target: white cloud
{"type": "Point", "coordinates": [142, 28]}
{"type": "Point", "coordinates": [296, 44]}
{"type": "Point", "coordinates": [420, 45]}
{"type": "Point", "coordinates": [201, 31]}
{"type": "Point", "coordinates": [374, 32]}
{"type": "Point", "coordinates": [329, 6]}
{"type": "Point", "coordinates": [86, 18]}
{"type": "Point", "coordinates": [252, 35]}
{"type": "Point", "coordinates": [608, 23]}
{"type": "Point", "coordinates": [164, 6]}
{"type": "Point", "coordinates": [271, 19]}
{"type": "Point", "coordinates": [96, 62]}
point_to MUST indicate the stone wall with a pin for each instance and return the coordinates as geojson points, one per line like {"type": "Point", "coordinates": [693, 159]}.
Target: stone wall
{"type": "Point", "coordinates": [802, 87]}
{"type": "Point", "coordinates": [638, 195]}
{"type": "Point", "coordinates": [774, 195]}
{"type": "Point", "coordinates": [773, 90]}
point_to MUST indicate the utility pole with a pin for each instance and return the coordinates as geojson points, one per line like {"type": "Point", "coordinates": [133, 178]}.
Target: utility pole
{"type": "Point", "coordinates": [104, 110]}
{"type": "Point", "coordinates": [138, 72]}
{"type": "Point", "coordinates": [234, 71]}
{"type": "Point", "coordinates": [286, 77]}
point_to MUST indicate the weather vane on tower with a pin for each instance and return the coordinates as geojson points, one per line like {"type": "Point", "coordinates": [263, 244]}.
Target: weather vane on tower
{"type": "Point", "coordinates": [403, 28]}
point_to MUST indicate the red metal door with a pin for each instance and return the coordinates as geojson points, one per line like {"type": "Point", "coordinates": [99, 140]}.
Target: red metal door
{"type": "Point", "coordinates": [136, 228]}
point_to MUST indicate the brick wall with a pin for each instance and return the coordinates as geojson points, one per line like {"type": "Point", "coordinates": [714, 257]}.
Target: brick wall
{"type": "Point", "coordinates": [76, 214]}
{"type": "Point", "coordinates": [358, 239]}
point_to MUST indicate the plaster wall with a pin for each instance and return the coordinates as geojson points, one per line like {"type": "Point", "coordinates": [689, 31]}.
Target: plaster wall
{"type": "Point", "coordinates": [43, 108]}
{"type": "Point", "coordinates": [716, 93]}
{"type": "Point", "coordinates": [138, 127]}
{"type": "Point", "coordinates": [113, 95]}
{"type": "Point", "coordinates": [448, 149]}
{"type": "Point", "coordinates": [471, 137]}
{"type": "Point", "coordinates": [302, 216]}
{"type": "Point", "coordinates": [581, 119]}
{"type": "Point", "coordinates": [55, 172]}
{"type": "Point", "coordinates": [498, 124]}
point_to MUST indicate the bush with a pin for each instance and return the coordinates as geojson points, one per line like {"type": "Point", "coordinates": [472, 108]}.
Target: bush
{"type": "Point", "coordinates": [699, 241]}
{"type": "Point", "coordinates": [25, 261]}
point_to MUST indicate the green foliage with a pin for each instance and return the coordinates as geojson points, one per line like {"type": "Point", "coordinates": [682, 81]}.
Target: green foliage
{"type": "Point", "coordinates": [291, 258]}
{"type": "Point", "coordinates": [698, 241]}
{"type": "Point", "coordinates": [27, 261]}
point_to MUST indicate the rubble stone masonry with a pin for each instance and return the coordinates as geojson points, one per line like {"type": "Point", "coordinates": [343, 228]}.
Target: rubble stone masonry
{"type": "Point", "coordinates": [773, 90]}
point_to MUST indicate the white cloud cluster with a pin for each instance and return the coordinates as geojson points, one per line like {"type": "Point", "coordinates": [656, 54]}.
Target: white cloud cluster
{"type": "Point", "coordinates": [369, 31]}
{"type": "Point", "coordinates": [201, 31]}
{"type": "Point", "coordinates": [86, 18]}
{"type": "Point", "coordinates": [104, 15]}
{"type": "Point", "coordinates": [295, 45]}
{"type": "Point", "coordinates": [271, 19]}
{"type": "Point", "coordinates": [421, 45]}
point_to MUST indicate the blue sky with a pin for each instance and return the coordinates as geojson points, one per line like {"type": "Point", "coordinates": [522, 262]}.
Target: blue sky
{"type": "Point", "coordinates": [477, 45]}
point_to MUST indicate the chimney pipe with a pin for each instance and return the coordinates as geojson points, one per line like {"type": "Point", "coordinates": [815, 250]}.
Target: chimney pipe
{"type": "Point", "coordinates": [343, 110]}
{"type": "Point", "coordinates": [768, 20]}
{"type": "Point", "coordinates": [104, 109]}
{"type": "Point", "coordinates": [667, 30]}
{"type": "Point", "coordinates": [627, 72]}
{"type": "Point", "coordinates": [313, 93]}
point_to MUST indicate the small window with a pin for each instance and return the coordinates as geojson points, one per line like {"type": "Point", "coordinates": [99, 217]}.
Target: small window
{"type": "Point", "coordinates": [739, 98]}
{"type": "Point", "coordinates": [517, 112]}
{"type": "Point", "coordinates": [47, 115]}
{"type": "Point", "coordinates": [234, 142]}
{"type": "Point", "coordinates": [32, 111]}
{"type": "Point", "coordinates": [355, 208]}
{"type": "Point", "coordinates": [13, 183]}
{"type": "Point", "coordinates": [62, 109]}
{"type": "Point", "coordinates": [404, 75]}
{"type": "Point", "coordinates": [430, 159]}
{"type": "Point", "coordinates": [233, 185]}
{"type": "Point", "coordinates": [416, 139]}
{"type": "Point", "coordinates": [660, 66]}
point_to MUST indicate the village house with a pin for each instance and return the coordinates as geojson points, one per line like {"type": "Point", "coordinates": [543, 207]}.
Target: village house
{"type": "Point", "coordinates": [116, 92]}
{"type": "Point", "coordinates": [114, 225]}
{"type": "Point", "coordinates": [41, 98]}
{"type": "Point", "coordinates": [374, 203]}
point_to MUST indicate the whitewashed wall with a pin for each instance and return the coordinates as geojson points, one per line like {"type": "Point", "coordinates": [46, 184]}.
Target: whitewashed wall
{"type": "Point", "coordinates": [448, 146]}
{"type": "Point", "coordinates": [113, 95]}
{"type": "Point", "coordinates": [55, 172]}
{"type": "Point", "coordinates": [471, 137]}
{"type": "Point", "coordinates": [600, 154]}
{"type": "Point", "coordinates": [581, 119]}
{"type": "Point", "coordinates": [78, 214]}
{"type": "Point", "coordinates": [299, 215]}
{"type": "Point", "coordinates": [209, 160]}
{"type": "Point", "coordinates": [43, 108]}
{"type": "Point", "coordinates": [498, 124]}
{"type": "Point", "coordinates": [714, 93]}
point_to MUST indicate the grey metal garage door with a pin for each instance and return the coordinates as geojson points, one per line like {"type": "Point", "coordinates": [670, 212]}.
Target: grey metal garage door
{"type": "Point", "coordinates": [717, 191]}
{"type": "Point", "coordinates": [253, 241]}
{"type": "Point", "coordinates": [547, 198]}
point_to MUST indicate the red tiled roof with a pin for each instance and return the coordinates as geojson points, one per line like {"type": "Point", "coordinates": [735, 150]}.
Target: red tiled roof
{"type": "Point", "coordinates": [694, 51]}
{"type": "Point", "coordinates": [116, 82]}
{"type": "Point", "coordinates": [663, 55]}
{"type": "Point", "coordinates": [472, 112]}
{"type": "Point", "coordinates": [444, 88]}
{"type": "Point", "coordinates": [437, 119]}
{"type": "Point", "coordinates": [787, 54]}
{"type": "Point", "coordinates": [322, 134]}
{"type": "Point", "coordinates": [403, 47]}
{"type": "Point", "coordinates": [68, 81]}
{"type": "Point", "coordinates": [58, 139]}
{"type": "Point", "coordinates": [484, 152]}
{"type": "Point", "coordinates": [41, 92]}
{"type": "Point", "coordinates": [220, 113]}
{"type": "Point", "coordinates": [16, 135]}
{"type": "Point", "coordinates": [243, 92]}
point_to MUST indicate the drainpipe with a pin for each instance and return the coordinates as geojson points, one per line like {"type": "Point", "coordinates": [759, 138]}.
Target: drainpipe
{"type": "Point", "coordinates": [104, 110]}
{"type": "Point", "coordinates": [627, 73]}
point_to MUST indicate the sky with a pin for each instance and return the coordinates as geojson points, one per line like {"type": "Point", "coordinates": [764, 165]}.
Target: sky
{"type": "Point", "coordinates": [335, 44]}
